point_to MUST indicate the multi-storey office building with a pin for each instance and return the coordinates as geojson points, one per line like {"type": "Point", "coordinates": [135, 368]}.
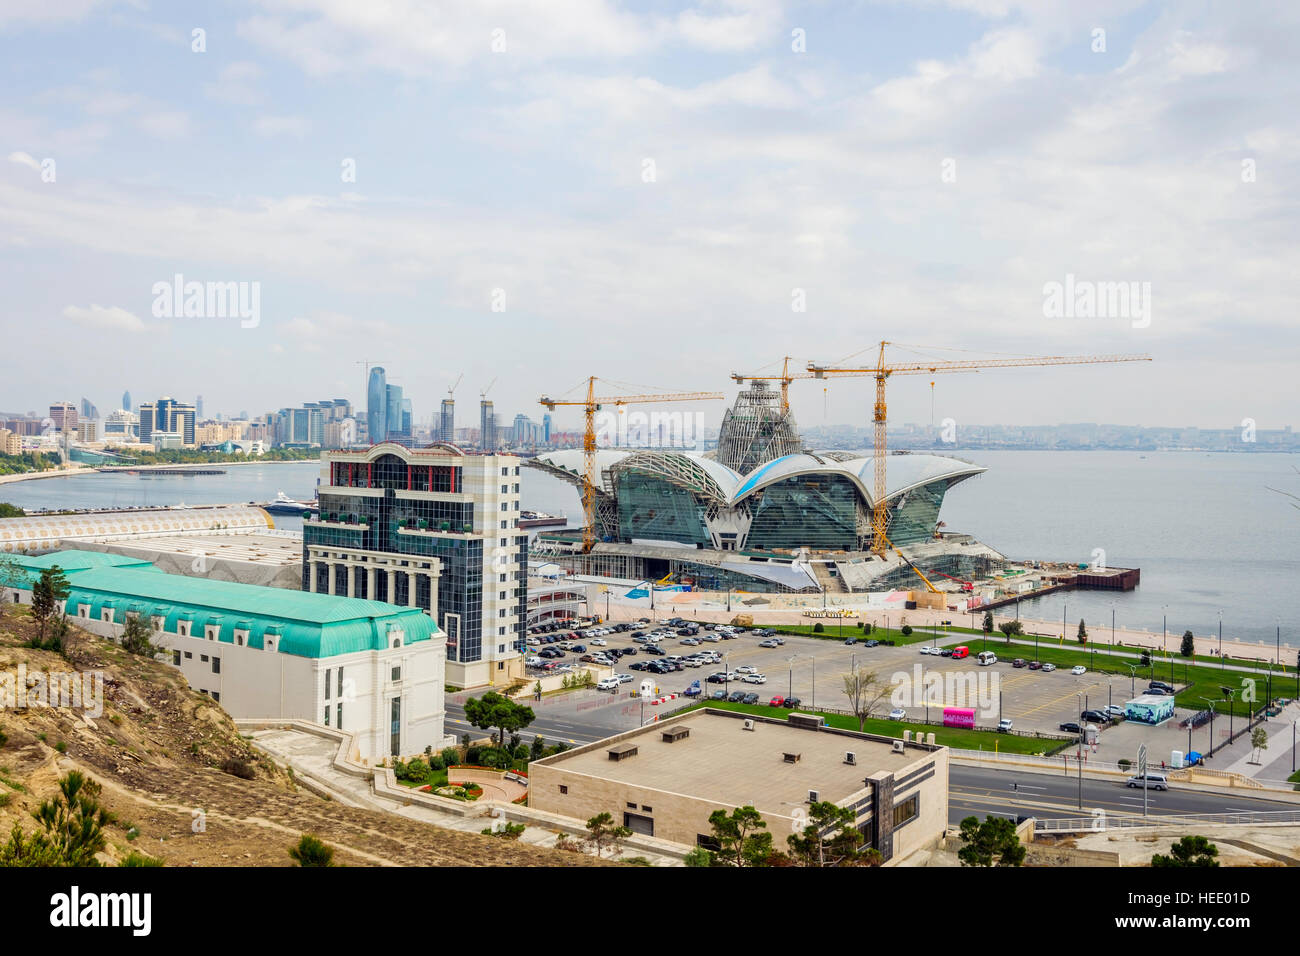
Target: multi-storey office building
{"type": "Point", "coordinates": [435, 528]}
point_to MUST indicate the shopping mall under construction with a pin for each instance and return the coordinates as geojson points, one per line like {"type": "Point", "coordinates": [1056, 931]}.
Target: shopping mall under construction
{"type": "Point", "coordinates": [763, 513]}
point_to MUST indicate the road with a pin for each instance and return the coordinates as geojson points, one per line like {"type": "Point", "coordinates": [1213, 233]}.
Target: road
{"type": "Point", "coordinates": [1009, 792]}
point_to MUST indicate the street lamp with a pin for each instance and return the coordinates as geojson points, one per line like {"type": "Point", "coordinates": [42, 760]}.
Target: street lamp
{"type": "Point", "coordinates": [1221, 663]}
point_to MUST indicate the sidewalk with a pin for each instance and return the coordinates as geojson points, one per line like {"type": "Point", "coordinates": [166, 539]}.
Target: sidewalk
{"type": "Point", "coordinates": [1275, 761]}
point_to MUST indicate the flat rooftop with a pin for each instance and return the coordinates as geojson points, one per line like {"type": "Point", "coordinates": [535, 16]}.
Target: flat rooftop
{"type": "Point", "coordinates": [265, 549]}
{"type": "Point", "coordinates": [721, 762]}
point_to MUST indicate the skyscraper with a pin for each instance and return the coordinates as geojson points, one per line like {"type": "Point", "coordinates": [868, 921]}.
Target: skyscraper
{"type": "Point", "coordinates": [447, 421]}
{"type": "Point", "coordinates": [487, 425]}
{"type": "Point", "coordinates": [377, 405]}
{"type": "Point", "coordinates": [126, 401]}
{"type": "Point", "coordinates": [393, 405]}
{"type": "Point", "coordinates": [198, 407]}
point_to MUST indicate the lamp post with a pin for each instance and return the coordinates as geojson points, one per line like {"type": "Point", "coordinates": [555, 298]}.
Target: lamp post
{"type": "Point", "coordinates": [1082, 724]}
{"type": "Point", "coordinates": [1221, 664]}
{"type": "Point", "coordinates": [1164, 629]}
{"type": "Point", "coordinates": [1132, 677]}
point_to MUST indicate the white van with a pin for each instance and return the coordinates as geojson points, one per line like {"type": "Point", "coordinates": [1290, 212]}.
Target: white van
{"type": "Point", "coordinates": [986, 658]}
{"type": "Point", "coordinates": [607, 683]}
{"type": "Point", "coordinates": [1154, 781]}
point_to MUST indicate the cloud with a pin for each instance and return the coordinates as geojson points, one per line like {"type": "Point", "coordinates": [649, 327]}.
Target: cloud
{"type": "Point", "coordinates": [236, 84]}
{"type": "Point", "coordinates": [165, 124]}
{"type": "Point", "coordinates": [25, 159]}
{"type": "Point", "coordinates": [281, 126]}
{"type": "Point", "coordinates": [104, 317]}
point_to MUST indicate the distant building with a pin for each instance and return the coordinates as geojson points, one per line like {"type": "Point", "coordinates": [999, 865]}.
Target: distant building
{"type": "Point", "coordinates": [122, 426]}
{"type": "Point", "coordinates": [168, 415]}
{"type": "Point", "coordinates": [433, 528]}
{"type": "Point", "coordinates": [10, 443]}
{"type": "Point", "coordinates": [126, 401]}
{"type": "Point", "coordinates": [447, 421]}
{"type": "Point", "coordinates": [377, 405]}
{"type": "Point", "coordinates": [487, 428]}
{"type": "Point", "coordinates": [88, 430]}
{"type": "Point", "coordinates": [64, 416]}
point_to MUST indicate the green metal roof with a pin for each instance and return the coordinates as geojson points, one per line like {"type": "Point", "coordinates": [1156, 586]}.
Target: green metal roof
{"type": "Point", "coordinates": [307, 625]}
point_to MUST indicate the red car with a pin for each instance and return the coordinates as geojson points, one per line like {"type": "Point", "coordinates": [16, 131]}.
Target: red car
{"type": "Point", "coordinates": [776, 702]}
{"type": "Point", "coordinates": [1035, 665]}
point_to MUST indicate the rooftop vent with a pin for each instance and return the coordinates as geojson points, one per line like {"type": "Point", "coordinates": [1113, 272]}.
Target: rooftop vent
{"type": "Point", "coordinates": [622, 752]}
{"type": "Point", "coordinates": [791, 758]}
{"type": "Point", "coordinates": [899, 746]}
{"type": "Point", "coordinates": [673, 734]}
{"type": "Point", "coordinates": [806, 721]}
{"type": "Point", "coordinates": [747, 725]}
{"type": "Point", "coordinates": [850, 758]}
{"type": "Point", "coordinates": [813, 796]}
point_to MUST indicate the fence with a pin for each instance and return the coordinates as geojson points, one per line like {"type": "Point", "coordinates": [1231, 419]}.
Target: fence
{"type": "Point", "coordinates": [1102, 821]}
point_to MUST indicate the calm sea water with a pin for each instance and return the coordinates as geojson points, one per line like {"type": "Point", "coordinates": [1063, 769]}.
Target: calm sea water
{"type": "Point", "coordinates": [1205, 529]}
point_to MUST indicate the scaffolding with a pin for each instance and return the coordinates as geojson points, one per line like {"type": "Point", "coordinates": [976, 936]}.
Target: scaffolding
{"type": "Point", "coordinates": [756, 430]}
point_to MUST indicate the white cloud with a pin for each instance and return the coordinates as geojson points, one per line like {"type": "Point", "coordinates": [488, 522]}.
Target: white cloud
{"type": "Point", "coordinates": [165, 124]}
{"type": "Point", "coordinates": [238, 83]}
{"type": "Point", "coordinates": [25, 159]}
{"type": "Point", "coordinates": [281, 126]}
{"type": "Point", "coordinates": [104, 317]}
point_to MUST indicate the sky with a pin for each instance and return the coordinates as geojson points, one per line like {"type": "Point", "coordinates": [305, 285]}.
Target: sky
{"type": "Point", "coordinates": [659, 194]}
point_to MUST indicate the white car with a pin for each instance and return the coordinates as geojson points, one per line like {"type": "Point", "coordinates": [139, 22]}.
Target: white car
{"type": "Point", "coordinates": [598, 642]}
{"type": "Point", "coordinates": [1078, 669]}
{"type": "Point", "coordinates": [747, 669]}
{"type": "Point", "coordinates": [711, 638]}
{"type": "Point", "coordinates": [1113, 710]}
{"type": "Point", "coordinates": [1048, 668]}
{"type": "Point", "coordinates": [755, 679]}
{"type": "Point", "coordinates": [534, 641]}
{"type": "Point", "coordinates": [1004, 725]}
{"type": "Point", "coordinates": [607, 683]}
{"type": "Point", "coordinates": [897, 714]}
{"type": "Point", "coordinates": [693, 662]}
{"type": "Point", "coordinates": [623, 678]}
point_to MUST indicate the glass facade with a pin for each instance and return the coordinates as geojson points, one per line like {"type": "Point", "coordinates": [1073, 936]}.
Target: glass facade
{"type": "Point", "coordinates": [812, 511]}
{"type": "Point", "coordinates": [915, 515]}
{"type": "Point", "coordinates": [649, 507]}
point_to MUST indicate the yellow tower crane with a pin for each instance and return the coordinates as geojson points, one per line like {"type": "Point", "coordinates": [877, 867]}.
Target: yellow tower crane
{"type": "Point", "coordinates": [883, 370]}
{"type": "Point", "coordinates": [785, 378]}
{"type": "Point", "coordinates": [592, 404]}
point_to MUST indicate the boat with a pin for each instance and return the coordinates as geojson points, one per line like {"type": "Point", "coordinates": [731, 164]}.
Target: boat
{"type": "Point", "coordinates": [284, 505]}
{"type": "Point", "coordinates": [540, 519]}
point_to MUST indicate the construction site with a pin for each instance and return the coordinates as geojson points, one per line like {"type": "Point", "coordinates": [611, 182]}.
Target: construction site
{"type": "Point", "coordinates": [763, 514]}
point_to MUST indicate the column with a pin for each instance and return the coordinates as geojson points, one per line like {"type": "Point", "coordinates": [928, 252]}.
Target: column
{"type": "Point", "coordinates": [392, 586]}
{"type": "Point", "coordinates": [352, 579]}
{"type": "Point", "coordinates": [410, 589]}
{"type": "Point", "coordinates": [311, 575]}
{"type": "Point", "coordinates": [332, 587]}
{"type": "Point", "coordinates": [370, 583]}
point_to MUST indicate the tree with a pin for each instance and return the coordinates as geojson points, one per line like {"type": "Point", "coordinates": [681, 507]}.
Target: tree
{"type": "Point", "coordinates": [698, 856]}
{"type": "Point", "coordinates": [1259, 740]}
{"type": "Point", "coordinates": [1145, 660]}
{"type": "Point", "coordinates": [987, 624]}
{"type": "Point", "coordinates": [865, 691]}
{"type": "Point", "coordinates": [1082, 636]}
{"type": "Point", "coordinates": [48, 594]}
{"type": "Point", "coordinates": [137, 638]}
{"type": "Point", "coordinates": [1009, 629]}
{"type": "Point", "coordinates": [905, 630]}
{"type": "Point", "coordinates": [830, 839]}
{"type": "Point", "coordinates": [1190, 851]}
{"type": "Point", "coordinates": [742, 837]}
{"type": "Point", "coordinates": [602, 833]}
{"type": "Point", "coordinates": [10, 511]}
{"type": "Point", "coordinates": [310, 851]}
{"type": "Point", "coordinates": [1188, 647]}
{"type": "Point", "coordinates": [72, 828]}
{"type": "Point", "coordinates": [492, 711]}
{"type": "Point", "coordinates": [991, 843]}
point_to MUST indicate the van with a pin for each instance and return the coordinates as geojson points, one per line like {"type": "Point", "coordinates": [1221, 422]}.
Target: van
{"type": "Point", "coordinates": [987, 657]}
{"type": "Point", "coordinates": [960, 652]}
{"type": "Point", "coordinates": [1154, 781]}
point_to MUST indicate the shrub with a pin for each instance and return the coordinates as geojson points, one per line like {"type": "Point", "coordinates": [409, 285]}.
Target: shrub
{"type": "Point", "coordinates": [906, 630]}
{"type": "Point", "coordinates": [474, 755]}
{"type": "Point", "coordinates": [450, 756]}
{"type": "Point", "coordinates": [310, 851]}
{"type": "Point", "coordinates": [135, 858]}
{"type": "Point", "coordinates": [818, 628]}
{"type": "Point", "coordinates": [238, 768]}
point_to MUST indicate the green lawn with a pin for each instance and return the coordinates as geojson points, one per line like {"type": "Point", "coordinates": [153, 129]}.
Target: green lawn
{"type": "Point", "coordinates": [833, 630]}
{"type": "Point", "coordinates": [947, 736]}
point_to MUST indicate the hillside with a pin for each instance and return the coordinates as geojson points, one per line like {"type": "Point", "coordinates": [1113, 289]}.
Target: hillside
{"type": "Point", "coordinates": [158, 750]}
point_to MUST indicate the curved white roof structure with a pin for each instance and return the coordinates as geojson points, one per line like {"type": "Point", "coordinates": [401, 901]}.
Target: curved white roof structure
{"type": "Point", "coordinates": [36, 533]}
{"type": "Point", "coordinates": [716, 481]}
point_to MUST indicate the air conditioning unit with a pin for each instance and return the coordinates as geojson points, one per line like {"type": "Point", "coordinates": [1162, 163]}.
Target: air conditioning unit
{"type": "Point", "coordinates": [850, 757]}
{"type": "Point", "coordinates": [813, 796]}
{"type": "Point", "coordinates": [899, 747]}
{"type": "Point", "coordinates": [747, 725]}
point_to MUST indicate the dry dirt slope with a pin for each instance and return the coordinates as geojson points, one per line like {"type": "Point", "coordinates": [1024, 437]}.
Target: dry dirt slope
{"type": "Point", "coordinates": [157, 750]}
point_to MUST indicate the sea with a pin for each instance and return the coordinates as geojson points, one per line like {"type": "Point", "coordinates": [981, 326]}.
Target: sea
{"type": "Point", "coordinates": [1215, 534]}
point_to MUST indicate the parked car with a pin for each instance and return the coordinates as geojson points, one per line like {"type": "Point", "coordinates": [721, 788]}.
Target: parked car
{"type": "Point", "coordinates": [746, 669]}
{"type": "Point", "coordinates": [1070, 727]}
{"type": "Point", "coordinates": [1035, 665]}
{"type": "Point", "coordinates": [1158, 692]}
{"type": "Point", "coordinates": [736, 696]}
{"type": "Point", "coordinates": [1019, 662]}
{"type": "Point", "coordinates": [1004, 725]}
{"type": "Point", "coordinates": [767, 644]}
{"type": "Point", "coordinates": [607, 683]}
{"type": "Point", "coordinates": [755, 679]}
{"type": "Point", "coordinates": [1161, 685]}
{"type": "Point", "coordinates": [750, 699]}
{"type": "Point", "coordinates": [850, 641]}
{"type": "Point", "coordinates": [652, 649]}
{"type": "Point", "coordinates": [628, 651]}
{"type": "Point", "coordinates": [792, 702]}
{"type": "Point", "coordinates": [1095, 716]}
{"type": "Point", "coordinates": [872, 643]}
{"type": "Point", "coordinates": [718, 695]}
{"type": "Point", "coordinates": [776, 702]}
{"type": "Point", "coordinates": [1078, 669]}
{"type": "Point", "coordinates": [897, 714]}
{"type": "Point", "coordinates": [1048, 668]}
{"type": "Point", "coordinates": [624, 678]}
{"type": "Point", "coordinates": [1114, 710]}
{"type": "Point", "coordinates": [1154, 781]}
{"type": "Point", "coordinates": [599, 642]}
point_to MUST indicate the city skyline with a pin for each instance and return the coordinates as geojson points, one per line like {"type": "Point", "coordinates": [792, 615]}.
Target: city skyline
{"type": "Point", "coordinates": [657, 197]}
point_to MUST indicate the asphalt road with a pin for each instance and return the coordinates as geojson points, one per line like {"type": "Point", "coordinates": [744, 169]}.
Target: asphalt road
{"type": "Point", "coordinates": [1008, 792]}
